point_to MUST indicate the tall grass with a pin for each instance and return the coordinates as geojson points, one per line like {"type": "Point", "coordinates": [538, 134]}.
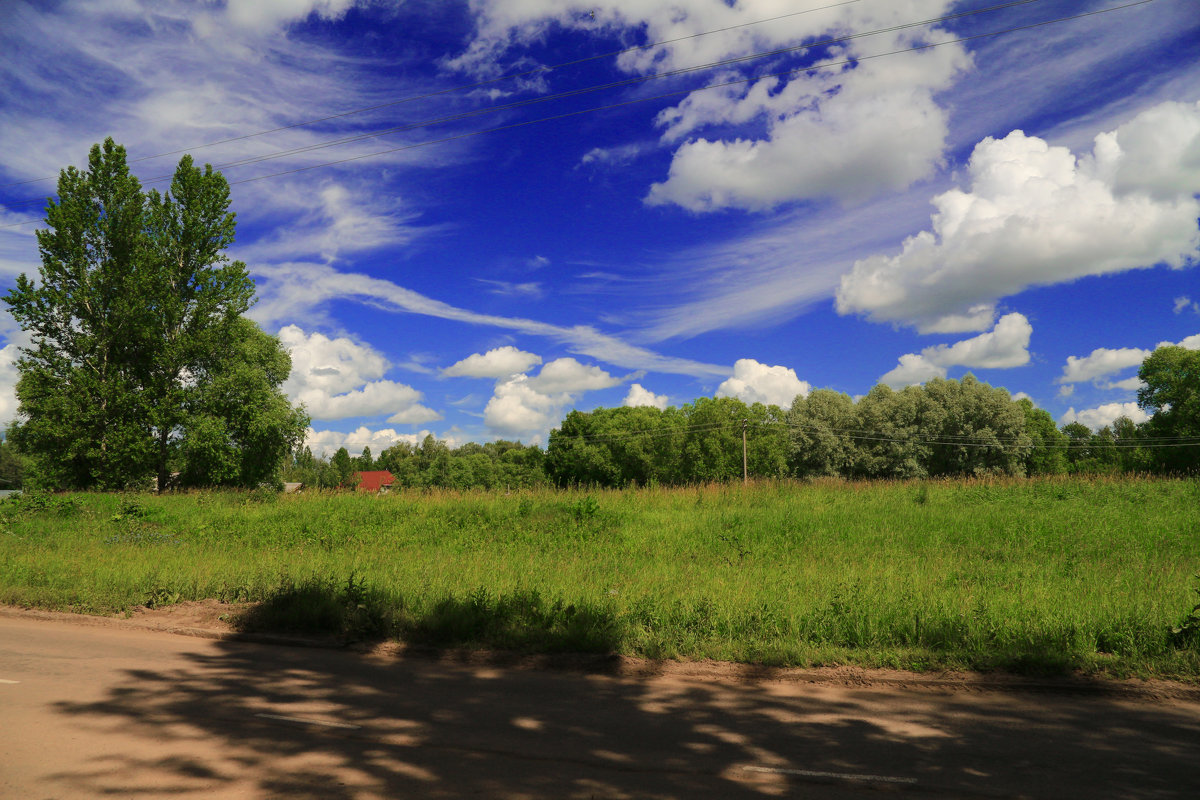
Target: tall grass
{"type": "Point", "coordinates": [1045, 575]}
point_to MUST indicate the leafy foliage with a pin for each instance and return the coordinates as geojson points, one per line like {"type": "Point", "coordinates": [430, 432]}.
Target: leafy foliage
{"type": "Point", "coordinates": [140, 358]}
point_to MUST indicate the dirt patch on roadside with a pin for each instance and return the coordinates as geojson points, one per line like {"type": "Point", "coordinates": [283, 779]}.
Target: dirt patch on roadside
{"type": "Point", "coordinates": [213, 619]}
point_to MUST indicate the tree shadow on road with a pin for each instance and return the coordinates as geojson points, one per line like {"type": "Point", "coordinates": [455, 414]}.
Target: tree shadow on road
{"type": "Point", "coordinates": [251, 720]}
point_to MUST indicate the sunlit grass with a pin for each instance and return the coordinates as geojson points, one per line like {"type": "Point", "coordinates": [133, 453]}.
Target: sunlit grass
{"type": "Point", "coordinates": [1032, 576]}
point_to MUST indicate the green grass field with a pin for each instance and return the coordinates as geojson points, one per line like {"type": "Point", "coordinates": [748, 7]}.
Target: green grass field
{"type": "Point", "coordinates": [1040, 576]}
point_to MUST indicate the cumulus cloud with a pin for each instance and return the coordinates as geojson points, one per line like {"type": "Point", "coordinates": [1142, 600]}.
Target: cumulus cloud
{"type": "Point", "coordinates": [1100, 362]}
{"type": "Point", "coordinates": [1104, 361]}
{"type": "Point", "coordinates": [326, 443]}
{"type": "Point", "coordinates": [754, 382]}
{"type": "Point", "coordinates": [1036, 215]}
{"type": "Point", "coordinates": [8, 383]}
{"type": "Point", "coordinates": [517, 407]}
{"type": "Point", "coordinates": [569, 375]}
{"type": "Point", "coordinates": [499, 362]}
{"type": "Point", "coordinates": [339, 378]}
{"type": "Point", "coordinates": [640, 396]}
{"type": "Point", "coordinates": [846, 131]}
{"type": "Point", "coordinates": [1127, 385]}
{"type": "Point", "coordinates": [531, 405]}
{"type": "Point", "coordinates": [1097, 418]}
{"type": "Point", "coordinates": [1006, 345]}
{"type": "Point", "coordinates": [845, 135]}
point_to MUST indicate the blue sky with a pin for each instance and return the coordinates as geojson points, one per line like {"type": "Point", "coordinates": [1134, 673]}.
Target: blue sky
{"type": "Point", "coordinates": [846, 211]}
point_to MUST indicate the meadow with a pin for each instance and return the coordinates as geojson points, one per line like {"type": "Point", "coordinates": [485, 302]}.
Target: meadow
{"type": "Point", "coordinates": [1053, 575]}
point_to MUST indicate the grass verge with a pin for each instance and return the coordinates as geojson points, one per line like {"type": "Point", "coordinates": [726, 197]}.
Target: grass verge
{"type": "Point", "coordinates": [1036, 577]}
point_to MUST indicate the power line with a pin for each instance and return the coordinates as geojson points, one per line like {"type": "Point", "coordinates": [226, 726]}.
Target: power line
{"type": "Point", "coordinates": [626, 82]}
{"type": "Point", "coordinates": [601, 87]}
{"type": "Point", "coordinates": [574, 93]}
{"type": "Point", "coordinates": [686, 91]}
{"type": "Point", "coordinates": [465, 87]}
{"type": "Point", "coordinates": [1146, 442]}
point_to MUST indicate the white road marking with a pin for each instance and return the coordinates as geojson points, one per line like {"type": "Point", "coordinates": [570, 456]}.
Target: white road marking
{"type": "Point", "coordinates": [845, 776]}
{"type": "Point", "coordinates": [4, 681]}
{"type": "Point", "coordinates": [309, 721]}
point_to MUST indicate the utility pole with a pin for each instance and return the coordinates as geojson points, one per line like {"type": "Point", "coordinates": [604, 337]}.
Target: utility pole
{"type": "Point", "coordinates": [745, 474]}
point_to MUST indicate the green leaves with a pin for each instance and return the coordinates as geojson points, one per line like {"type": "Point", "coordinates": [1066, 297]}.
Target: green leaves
{"type": "Point", "coordinates": [138, 340]}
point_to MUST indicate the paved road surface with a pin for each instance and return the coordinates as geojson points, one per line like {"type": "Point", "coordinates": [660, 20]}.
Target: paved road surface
{"type": "Point", "coordinates": [101, 711]}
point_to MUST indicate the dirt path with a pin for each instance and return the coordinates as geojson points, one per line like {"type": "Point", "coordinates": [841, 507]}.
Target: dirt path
{"type": "Point", "coordinates": [92, 707]}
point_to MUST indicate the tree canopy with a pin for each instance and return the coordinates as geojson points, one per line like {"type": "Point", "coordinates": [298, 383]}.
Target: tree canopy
{"type": "Point", "coordinates": [141, 362]}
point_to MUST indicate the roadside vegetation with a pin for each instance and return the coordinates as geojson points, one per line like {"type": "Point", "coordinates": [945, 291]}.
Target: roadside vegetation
{"type": "Point", "coordinates": [1036, 576]}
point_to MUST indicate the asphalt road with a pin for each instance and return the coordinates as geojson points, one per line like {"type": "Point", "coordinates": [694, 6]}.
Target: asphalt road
{"type": "Point", "coordinates": [103, 711]}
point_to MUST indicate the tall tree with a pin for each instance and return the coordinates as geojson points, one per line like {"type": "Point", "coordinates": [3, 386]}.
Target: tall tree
{"type": "Point", "coordinates": [1172, 395]}
{"type": "Point", "coordinates": [135, 317]}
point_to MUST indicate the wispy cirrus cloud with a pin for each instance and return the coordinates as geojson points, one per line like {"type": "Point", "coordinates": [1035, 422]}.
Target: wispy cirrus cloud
{"type": "Point", "coordinates": [290, 290]}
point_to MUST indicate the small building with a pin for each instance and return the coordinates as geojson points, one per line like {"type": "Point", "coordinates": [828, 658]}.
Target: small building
{"type": "Point", "coordinates": [292, 488]}
{"type": "Point", "coordinates": [379, 480]}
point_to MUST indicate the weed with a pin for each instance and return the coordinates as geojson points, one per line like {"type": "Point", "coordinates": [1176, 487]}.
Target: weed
{"type": "Point", "coordinates": [131, 509]}
{"type": "Point", "coordinates": [1187, 632]}
{"type": "Point", "coordinates": [586, 508]}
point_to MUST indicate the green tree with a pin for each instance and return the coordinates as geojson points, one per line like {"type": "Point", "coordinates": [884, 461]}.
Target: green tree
{"type": "Point", "coordinates": [1047, 447]}
{"type": "Point", "coordinates": [343, 467]}
{"type": "Point", "coordinates": [1172, 395]}
{"type": "Point", "coordinates": [972, 428]}
{"type": "Point", "coordinates": [12, 467]}
{"type": "Point", "coordinates": [890, 443]}
{"type": "Point", "coordinates": [821, 425]}
{"type": "Point", "coordinates": [135, 310]}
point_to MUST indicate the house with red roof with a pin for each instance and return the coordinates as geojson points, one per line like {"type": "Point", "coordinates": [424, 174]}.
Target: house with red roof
{"type": "Point", "coordinates": [379, 480]}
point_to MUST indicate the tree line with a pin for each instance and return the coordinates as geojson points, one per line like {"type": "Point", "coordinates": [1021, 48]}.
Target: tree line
{"type": "Point", "coordinates": [430, 464]}
{"type": "Point", "coordinates": [943, 428]}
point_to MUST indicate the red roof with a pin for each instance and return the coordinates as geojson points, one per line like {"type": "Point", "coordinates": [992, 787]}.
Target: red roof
{"type": "Point", "coordinates": [375, 480]}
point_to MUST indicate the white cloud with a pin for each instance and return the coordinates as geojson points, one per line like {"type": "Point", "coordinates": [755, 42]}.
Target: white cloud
{"type": "Point", "coordinates": [1097, 418]}
{"type": "Point", "coordinates": [8, 383]}
{"type": "Point", "coordinates": [531, 405]}
{"type": "Point", "coordinates": [754, 382]}
{"type": "Point", "coordinates": [1100, 362]}
{"type": "Point", "coordinates": [640, 396]}
{"type": "Point", "coordinates": [1157, 152]}
{"type": "Point", "coordinates": [330, 365]}
{"type": "Point", "coordinates": [842, 134]}
{"type": "Point", "coordinates": [1186, 303]}
{"type": "Point", "coordinates": [1127, 385]}
{"type": "Point", "coordinates": [326, 443]}
{"type": "Point", "coordinates": [568, 375]}
{"type": "Point", "coordinates": [339, 378]}
{"type": "Point", "coordinates": [265, 15]}
{"type": "Point", "coordinates": [510, 289]}
{"type": "Point", "coordinates": [1066, 390]}
{"type": "Point", "coordinates": [517, 407]}
{"type": "Point", "coordinates": [290, 290]}
{"type": "Point", "coordinates": [1105, 361]}
{"type": "Point", "coordinates": [377, 397]}
{"type": "Point", "coordinates": [1005, 346]}
{"type": "Point", "coordinates": [500, 362]}
{"type": "Point", "coordinates": [618, 156]}
{"type": "Point", "coordinates": [1024, 396]}
{"type": "Point", "coordinates": [845, 132]}
{"type": "Point", "coordinates": [1034, 215]}
{"type": "Point", "coordinates": [328, 218]}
